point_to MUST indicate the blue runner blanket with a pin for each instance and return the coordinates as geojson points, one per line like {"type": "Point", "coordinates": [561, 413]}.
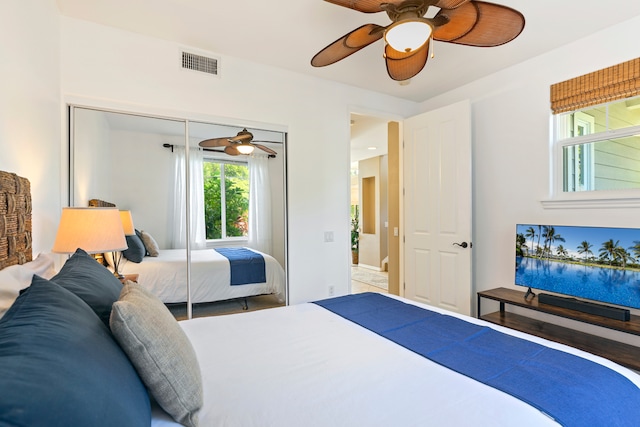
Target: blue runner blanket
{"type": "Point", "coordinates": [571, 390]}
{"type": "Point", "coordinates": [247, 266]}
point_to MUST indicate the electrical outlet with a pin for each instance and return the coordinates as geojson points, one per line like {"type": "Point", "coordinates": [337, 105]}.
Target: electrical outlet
{"type": "Point", "coordinates": [332, 290]}
{"type": "Point", "coordinates": [328, 236]}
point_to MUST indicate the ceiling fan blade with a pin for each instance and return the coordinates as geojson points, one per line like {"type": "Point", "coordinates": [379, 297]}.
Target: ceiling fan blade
{"type": "Point", "coordinates": [348, 44]}
{"type": "Point", "coordinates": [402, 65]}
{"type": "Point", "coordinates": [495, 25]}
{"type": "Point", "coordinates": [461, 21]}
{"type": "Point", "coordinates": [231, 150]}
{"type": "Point", "coordinates": [450, 4]}
{"type": "Point", "coordinates": [366, 6]}
{"type": "Point", "coordinates": [215, 142]}
{"type": "Point", "coordinates": [266, 149]}
{"type": "Point", "coordinates": [242, 137]}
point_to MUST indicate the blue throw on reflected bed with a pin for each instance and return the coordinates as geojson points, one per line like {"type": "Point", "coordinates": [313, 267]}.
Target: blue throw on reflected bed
{"type": "Point", "coordinates": [246, 265]}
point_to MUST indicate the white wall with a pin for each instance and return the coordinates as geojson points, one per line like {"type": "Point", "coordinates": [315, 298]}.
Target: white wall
{"type": "Point", "coordinates": [30, 114]}
{"type": "Point", "coordinates": [112, 67]}
{"type": "Point", "coordinates": [92, 159]}
{"type": "Point", "coordinates": [511, 122]}
{"type": "Point", "coordinates": [143, 180]}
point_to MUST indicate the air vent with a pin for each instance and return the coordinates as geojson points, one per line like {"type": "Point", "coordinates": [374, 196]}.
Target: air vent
{"type": "Point", "coordinates": [191, 61]}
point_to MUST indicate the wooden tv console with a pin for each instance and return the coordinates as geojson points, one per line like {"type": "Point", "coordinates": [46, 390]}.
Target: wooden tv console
{"type": "Point", "coordinates": [624, 354]}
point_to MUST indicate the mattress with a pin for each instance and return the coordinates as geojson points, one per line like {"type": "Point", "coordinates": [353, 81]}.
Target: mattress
{"type": "Point", "coordinates": [303, 365]}
{"type": "Point", "coordinates": [166, 276]}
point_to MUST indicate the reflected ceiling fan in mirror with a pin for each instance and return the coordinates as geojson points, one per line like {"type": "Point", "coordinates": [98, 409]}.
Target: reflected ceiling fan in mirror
{"type": "Point", "coordinates": [242, 143]}
{"type": "Point", "coordinates": [408, 37]}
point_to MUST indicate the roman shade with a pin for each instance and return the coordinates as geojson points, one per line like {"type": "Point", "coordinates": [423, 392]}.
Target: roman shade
{"type": "Point", "coordinates": [609, 84]}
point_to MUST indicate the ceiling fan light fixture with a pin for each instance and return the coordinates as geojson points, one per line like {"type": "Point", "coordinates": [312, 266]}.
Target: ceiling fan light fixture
{"type": "Point", "coordinates": [244, 148]}
{"type": "Point", "coordinates": [408, 35]}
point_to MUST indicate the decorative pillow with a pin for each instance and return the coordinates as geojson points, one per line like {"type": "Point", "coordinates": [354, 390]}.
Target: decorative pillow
{"type": "Point", "coordinates": [149, 243]}
{"type": "Point", "coordinates": [60, 366]}
{"type": "Point", "coordinates": [91, 281]}
{"type": "Point", "coordinates": [15, 278]}
{"type": "Point", "coordinates": [139, 234]}
{"type": "Point", "coordinates": [135, 252]}
{"type": "Point", "coordinates": [160, 351]}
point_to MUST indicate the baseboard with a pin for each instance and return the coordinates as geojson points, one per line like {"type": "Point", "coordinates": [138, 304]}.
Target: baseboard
{"type": "Point", "coordinates": [585, 307]}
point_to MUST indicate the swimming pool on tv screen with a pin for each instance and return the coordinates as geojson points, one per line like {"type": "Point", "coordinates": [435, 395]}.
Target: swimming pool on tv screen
{"type": "Point", "coordinates": [612, 285]}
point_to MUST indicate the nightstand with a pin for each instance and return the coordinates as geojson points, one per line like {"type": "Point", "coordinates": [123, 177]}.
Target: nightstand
{"type": "Point", "coordinates": [132, 277]}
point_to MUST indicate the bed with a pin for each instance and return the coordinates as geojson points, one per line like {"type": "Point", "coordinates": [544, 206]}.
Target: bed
{"type": "Point", "coordinates": [164, 271]}
{"type": "Point", "coordinates": [165, 276]}
{"type": "Point", "coordinates": [80, 348]}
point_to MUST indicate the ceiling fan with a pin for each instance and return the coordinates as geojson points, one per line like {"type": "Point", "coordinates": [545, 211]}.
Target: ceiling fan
{"type": "Point", "coordinates": [465, 22]}
{"type": "Point", "coordinates": [242, 143]}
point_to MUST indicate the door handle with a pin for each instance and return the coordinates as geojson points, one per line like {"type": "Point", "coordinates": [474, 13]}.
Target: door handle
{"type": "Point", "coordinates": [463, 245]}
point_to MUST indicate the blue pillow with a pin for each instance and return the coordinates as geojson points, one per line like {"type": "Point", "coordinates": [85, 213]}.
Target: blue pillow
{"type": "Point", "coordinates": [136, 250]}
{"type": "Point", "coordinates": [91, 281]}
{"type": "Point", "coordinates": [60, 366]}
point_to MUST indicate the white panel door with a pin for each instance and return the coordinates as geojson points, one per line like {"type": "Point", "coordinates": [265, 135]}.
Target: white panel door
{"type": "Point", "coordinates": [437, 208]}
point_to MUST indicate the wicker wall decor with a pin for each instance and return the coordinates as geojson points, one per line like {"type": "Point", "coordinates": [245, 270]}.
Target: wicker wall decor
{"type": "Point", "coordinates": [609, 84]}
{"type": "Point", "coordinates": [97, 203]}
{"type": "Point", "coordinates": [15, 220]}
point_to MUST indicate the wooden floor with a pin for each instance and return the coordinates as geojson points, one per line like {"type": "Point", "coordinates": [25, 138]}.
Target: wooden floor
{"type": "Point", "coordinates": [259, 302]}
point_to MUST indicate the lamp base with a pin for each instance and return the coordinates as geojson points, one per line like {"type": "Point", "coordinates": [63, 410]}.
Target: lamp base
{"type": "Point", "coordinates": [118, 275]}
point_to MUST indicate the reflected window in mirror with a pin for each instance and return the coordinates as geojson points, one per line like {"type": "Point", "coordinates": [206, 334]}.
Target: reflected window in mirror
{"type": "Point", "coordinates": [226, 199]}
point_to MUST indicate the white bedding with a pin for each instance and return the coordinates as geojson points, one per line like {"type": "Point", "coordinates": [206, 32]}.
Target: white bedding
{"type": "Point", "coordinates": [305, 366]}
{"type": "Point", "coordinates": [166, 276]}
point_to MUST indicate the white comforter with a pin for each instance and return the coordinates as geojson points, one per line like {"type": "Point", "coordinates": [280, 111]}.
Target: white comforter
{"type": "Point", "coordinates": [166, 276]}
{"type": "Point", "coordinates": [305, 366]}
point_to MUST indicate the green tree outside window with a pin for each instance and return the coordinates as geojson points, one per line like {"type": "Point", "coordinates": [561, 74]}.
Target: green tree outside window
{"type": "Point", "coordinates": [226, 199]}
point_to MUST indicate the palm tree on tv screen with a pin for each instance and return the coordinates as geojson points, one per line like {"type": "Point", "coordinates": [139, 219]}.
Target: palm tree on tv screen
{"type": "Point", "coordinates": [539, 234]}
{"type": "Point", "coordinates": [531, 233]}
{"type": "Point", "coordinates": [550, 237]}
{"type": "Point", "coordinates": [636, 249]}
{"type": "Point", "coordinates": [561, 251]}
{"type": "Point", "coordinates": [521, 244]}
{"type": "Point", "coordinates": [623, 256]}
{"type": "Point", "coordinates": [608, 250]}
{"type": "Point", "coordinates": [585, 249]}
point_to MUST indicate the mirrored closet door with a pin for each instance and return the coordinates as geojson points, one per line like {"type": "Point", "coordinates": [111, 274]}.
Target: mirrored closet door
{"type": "Point", "coordinates": [194, 210]}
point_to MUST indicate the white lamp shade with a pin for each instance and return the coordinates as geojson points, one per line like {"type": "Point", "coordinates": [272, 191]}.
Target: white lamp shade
{"type": "Point", "coordinates": [127, 223]}
{"type": "Point", "coordinates": [407, 36]}
{"type": "Point", "coordinates": [245, 148]}
{"type": "Point", "coordinates": [94, 230]}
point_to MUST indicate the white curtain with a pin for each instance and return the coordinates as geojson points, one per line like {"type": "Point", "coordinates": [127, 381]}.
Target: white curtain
{"type": "Point", "coordinates": [260, 235]}
{"type": "Point", "coordinates": [196, 192]}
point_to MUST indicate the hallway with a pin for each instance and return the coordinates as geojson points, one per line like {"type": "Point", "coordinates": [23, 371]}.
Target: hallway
{"type": "Point", "coordinates": [368, 280]}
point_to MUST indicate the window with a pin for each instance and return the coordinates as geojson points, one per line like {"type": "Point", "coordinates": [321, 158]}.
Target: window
{"type": "Point", "coordinates": [226, 199]}
{"type": "Point", "coordinates": [600, 147]}
{"type": "Point", "coordinates": [596, 135]}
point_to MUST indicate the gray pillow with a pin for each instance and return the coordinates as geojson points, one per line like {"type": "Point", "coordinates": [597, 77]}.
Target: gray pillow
{"type": "Point", "coordinates": [160, 351]}
{"type": "Point", "coordinates": [150, 243]}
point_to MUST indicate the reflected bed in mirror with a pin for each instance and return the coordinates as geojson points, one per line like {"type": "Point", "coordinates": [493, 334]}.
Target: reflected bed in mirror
{"type": "Point", "coordinates": [121, 157]}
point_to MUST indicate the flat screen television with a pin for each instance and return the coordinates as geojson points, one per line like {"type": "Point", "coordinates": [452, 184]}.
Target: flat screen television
{"type": "Point", "coordinates": [594, 263]}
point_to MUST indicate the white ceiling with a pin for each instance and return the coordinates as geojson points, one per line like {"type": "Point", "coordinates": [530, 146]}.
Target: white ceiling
{"type": "Point", "coordinates": [287, 33]}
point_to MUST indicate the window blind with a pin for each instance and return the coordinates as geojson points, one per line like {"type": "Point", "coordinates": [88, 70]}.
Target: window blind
{"type": "Point", "coordinates": [609, 84]}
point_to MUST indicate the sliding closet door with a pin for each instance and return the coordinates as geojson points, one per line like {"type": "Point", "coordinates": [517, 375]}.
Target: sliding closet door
{"type": "Point", "coordinates": [185, 200]}
{"type": "Point", "coordinates": [235, 200]}
{"type": "Point", "coordinates": [134, 162]}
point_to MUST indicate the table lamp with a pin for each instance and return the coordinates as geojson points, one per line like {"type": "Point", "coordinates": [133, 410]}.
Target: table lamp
{"type": "Point", "coordinates": [95, 230]}
{"type": "Point", "coordinates": [129, 230]}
